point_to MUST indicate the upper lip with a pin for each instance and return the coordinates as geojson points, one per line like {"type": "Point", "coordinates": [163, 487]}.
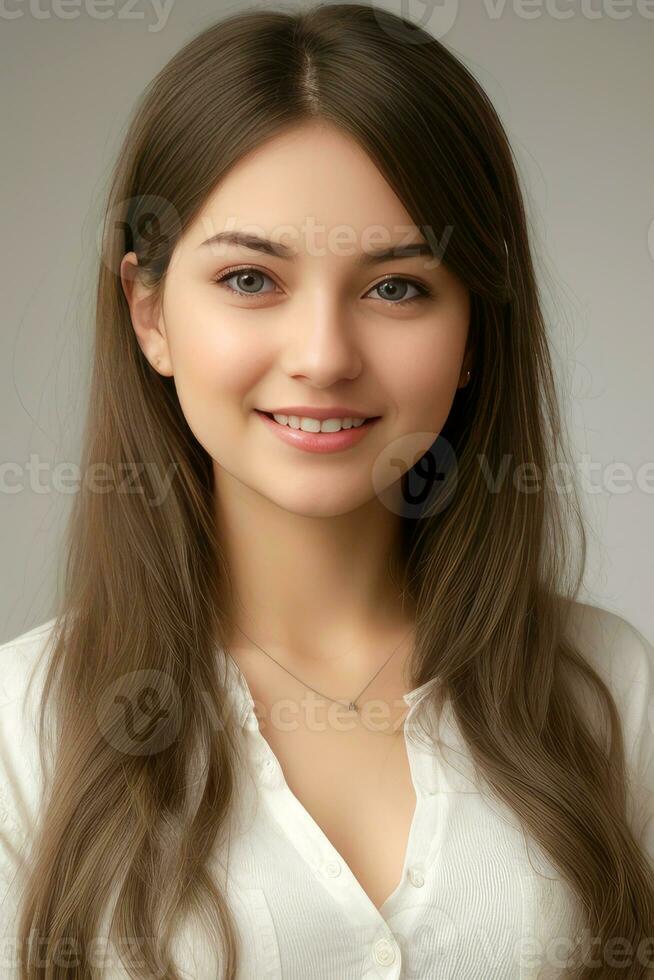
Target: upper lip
{"type": "Point", "coordinates": [307, 411]}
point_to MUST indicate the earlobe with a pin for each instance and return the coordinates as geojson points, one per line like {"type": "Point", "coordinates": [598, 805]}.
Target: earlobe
{"type": "Point", "coordinates": [144, 314]}
{"type": "Point", "coordinates": [162, 365]}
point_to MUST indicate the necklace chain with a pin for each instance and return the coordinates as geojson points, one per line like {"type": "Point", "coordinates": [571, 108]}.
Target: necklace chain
{"type": "Point", "coordinates": [351, 705]}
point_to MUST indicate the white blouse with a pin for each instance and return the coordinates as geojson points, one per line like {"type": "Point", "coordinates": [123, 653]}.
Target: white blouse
{"type": "Point", "coordinates": [478, 899]}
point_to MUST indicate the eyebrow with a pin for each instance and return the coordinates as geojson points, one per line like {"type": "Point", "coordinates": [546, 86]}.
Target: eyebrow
{"type": "Point", "coordinates": [280, 251]}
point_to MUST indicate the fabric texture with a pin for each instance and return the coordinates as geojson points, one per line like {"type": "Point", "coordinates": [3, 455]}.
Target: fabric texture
{"type": "Point", "coordinates": [477, 899]}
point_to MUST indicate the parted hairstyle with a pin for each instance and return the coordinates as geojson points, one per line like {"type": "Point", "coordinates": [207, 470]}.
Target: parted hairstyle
{"type": "Point", "coordinates": [144, 588]}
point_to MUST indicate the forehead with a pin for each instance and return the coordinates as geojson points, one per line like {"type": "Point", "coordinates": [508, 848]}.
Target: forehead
{"type": "Point", "coordinates": [310, 178]}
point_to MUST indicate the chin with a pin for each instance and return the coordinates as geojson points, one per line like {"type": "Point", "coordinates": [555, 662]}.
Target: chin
{"type": "Point", "coordinates": [320, 501]}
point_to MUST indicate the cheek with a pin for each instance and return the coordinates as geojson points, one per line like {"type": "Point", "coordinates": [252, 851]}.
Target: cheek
{"type": "Point", "coordinates": [424, 372]}
{"type": "Point", "coordinates": [433, 387]}
{"type": "Point", "coordinates": [216, 365]}
{"type": "Point", "coordinates": [218, 357]}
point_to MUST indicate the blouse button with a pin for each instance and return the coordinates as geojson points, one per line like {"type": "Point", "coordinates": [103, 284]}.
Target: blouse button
{"type": "Point", "coordinates": [416, 877]}
{"type": "Point", "coordinates": [383, 952]}
{"type": "Point", "coordinates": [270, 771]}
{"type": "Point", "coordinates": [332, 869]}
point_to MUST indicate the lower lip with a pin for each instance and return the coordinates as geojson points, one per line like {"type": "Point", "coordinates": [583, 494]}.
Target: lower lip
{"type": "Point", "coordinates": [318, 442]}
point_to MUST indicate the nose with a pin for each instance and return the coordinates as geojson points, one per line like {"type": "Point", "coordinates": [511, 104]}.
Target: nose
{"type": "Point", "coordinates": [321, 342]}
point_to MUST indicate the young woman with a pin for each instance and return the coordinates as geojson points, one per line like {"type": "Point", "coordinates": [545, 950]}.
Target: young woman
{"type": "Point", "coordinates": [320, 700]}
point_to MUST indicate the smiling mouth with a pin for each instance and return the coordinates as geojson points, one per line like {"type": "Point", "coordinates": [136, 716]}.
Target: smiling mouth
{"type": "Point", "coordinates": [372, 418]}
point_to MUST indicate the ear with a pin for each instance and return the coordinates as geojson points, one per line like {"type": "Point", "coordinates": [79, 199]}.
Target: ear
{"type": "Point", "coordinates": [147, 319]}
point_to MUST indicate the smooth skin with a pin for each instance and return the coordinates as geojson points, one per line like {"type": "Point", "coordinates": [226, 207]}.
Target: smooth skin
{"type": "Point", "coordinates": [307, 535]}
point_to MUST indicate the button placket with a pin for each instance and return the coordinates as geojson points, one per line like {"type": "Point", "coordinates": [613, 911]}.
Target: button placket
{"type": "Point", "coordinates": [331, 868]}
{"type": "Point", "coordinates": [316, 850]}
{"type": "Point", "coordinates": [416, 877]}
{"type": "Point", "coordinates": [422, 763]}
{"type": "Point", "coordinates": [384, 952]}
{"type": "Point", "coordinates": [270, 772]}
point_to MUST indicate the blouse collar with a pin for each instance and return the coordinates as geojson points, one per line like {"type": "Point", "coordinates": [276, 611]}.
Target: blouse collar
{"type": "Point", "coordinates": [245, 701]}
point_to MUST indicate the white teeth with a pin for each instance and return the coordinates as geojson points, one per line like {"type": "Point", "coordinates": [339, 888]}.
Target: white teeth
{"type": "Point", "coordinates": [315, 425]}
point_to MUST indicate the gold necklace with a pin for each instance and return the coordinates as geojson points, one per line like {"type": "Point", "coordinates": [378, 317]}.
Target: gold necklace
{"type": "Point", "coordinates": [351, 705]}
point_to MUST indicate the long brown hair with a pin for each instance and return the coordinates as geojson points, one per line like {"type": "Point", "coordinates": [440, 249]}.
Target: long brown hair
{"type": "Point", "coordinates": [146, 587]}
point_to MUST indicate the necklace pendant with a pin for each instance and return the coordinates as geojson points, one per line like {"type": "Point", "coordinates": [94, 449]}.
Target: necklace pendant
{"type": "Point", "coordinates": [352, 706]}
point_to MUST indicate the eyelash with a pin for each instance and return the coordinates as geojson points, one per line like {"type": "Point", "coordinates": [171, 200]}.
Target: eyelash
{"type": "Point", "coordinates": [424, 291]}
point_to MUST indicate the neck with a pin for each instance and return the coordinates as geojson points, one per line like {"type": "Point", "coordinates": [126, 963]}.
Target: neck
{"type": "Point", "coordinates": [313, 588]}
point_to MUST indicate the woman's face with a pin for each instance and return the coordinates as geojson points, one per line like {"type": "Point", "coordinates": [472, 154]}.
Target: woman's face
{"type": "Point", "coordinates": [311, 327]}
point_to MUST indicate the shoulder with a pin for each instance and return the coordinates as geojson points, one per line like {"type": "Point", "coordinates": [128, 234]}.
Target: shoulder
{"type": "Point", "coordinates": [605, 633]}
{"type": "Point", "coordinates": [624, 659]}
{"type": "Point", "coordinates": [621, 655]}
{"type": "Point", "coordinates": [22, 664]}
{"type": "Point", "coordinates": [19, 656]}
{"type": "Point", "coordinates": [23, 661]}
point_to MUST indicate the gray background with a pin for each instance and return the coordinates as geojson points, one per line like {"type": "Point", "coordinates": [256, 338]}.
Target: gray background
{"type": "Point", "coordinates": [572, 83]}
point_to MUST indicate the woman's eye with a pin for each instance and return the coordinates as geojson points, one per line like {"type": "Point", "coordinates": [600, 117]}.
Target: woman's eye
{"type": "Point", "coordinates": [393, 291]}
{"type": "Point", "coordinates": [247, 279]}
